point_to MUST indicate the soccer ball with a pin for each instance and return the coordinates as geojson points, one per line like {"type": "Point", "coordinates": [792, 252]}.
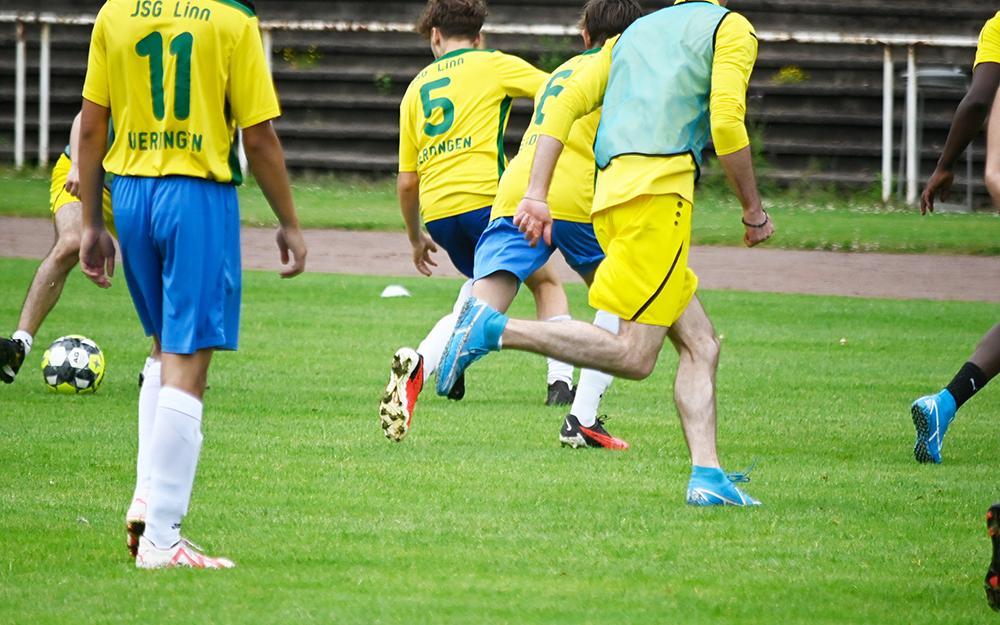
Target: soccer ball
{"type": "Point", "coordinates": [72, 365]}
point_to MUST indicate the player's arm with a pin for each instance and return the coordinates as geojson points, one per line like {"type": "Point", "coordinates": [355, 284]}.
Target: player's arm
{"type": "Point", "coordinates": [967, 123]}
{"type": "Point", "coordinates": [73, 177]}
{"type": "Point", "coordinates": [582, 94]}
{"type": "Point", "coordinates": [97, 249]}
{"type": "Point", "coordinates": [518, 78]}
{"type": "Point", "coordinates": [735, 55]}
{"type": "Point", "coordinates": [408, 189]}
{"type": "Point", "coordinates": [254, 106]}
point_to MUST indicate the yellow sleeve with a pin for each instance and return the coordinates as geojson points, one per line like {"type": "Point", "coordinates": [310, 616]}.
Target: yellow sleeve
{"type": "Point", "coordinates": [251, 87]}
{"type": "Point", "coordinates": [735, 55]}
{"type": "Point", "coordinates": [96, 87]}
{"type": "Point", "coordinates": [518, 78]}
{"type": "Point", "coordinates": [989, 42]}
{"type": "Point", "coordinates": [407, 136]}
{"type": "Point", "coordinates": [583, 93]}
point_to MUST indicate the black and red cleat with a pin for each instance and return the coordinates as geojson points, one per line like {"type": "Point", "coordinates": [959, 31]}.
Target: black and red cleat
{"type": "Point", "coordinates": [576, 436]}
{"type": "Point", "coordinates": [992, 584]}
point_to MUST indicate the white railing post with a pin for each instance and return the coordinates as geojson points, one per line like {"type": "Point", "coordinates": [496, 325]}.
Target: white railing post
{"type": "Point", "coordinates": [268, 48]}
{"type": "Point", "coordinates": [888, 96]}
{"type": "Point", "coordinates": [44, 104]}
{"type": "Point", "coordinates": [912, 149]}
{"type": "Point", "coordinates": [20, 96]}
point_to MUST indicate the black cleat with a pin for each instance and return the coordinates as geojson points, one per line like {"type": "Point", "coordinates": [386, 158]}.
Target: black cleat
{"type": "Point", "coordinates": [11, 359]}
{"type": "Point", "coordinates": [457, 392]}
{"type": "Point", "coordinates": [560, 394]}
{"type": "Point", "coordinates": [575, 435]}
{"type": "Point", "coordinates": [992, 584]}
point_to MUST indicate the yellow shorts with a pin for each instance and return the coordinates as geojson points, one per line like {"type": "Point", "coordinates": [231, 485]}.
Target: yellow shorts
{"type": "Point", "coordinates": [59, 196]}
{"type": "Point", "coordinates": [645, 277]}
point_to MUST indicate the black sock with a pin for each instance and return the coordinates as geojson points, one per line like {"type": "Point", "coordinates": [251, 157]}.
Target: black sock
{"type": "Point", "coordinates": [969, 381]}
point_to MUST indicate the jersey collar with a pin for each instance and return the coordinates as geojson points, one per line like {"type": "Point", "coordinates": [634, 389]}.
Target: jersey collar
{"type": "Point", "coordinates": [715, 2]}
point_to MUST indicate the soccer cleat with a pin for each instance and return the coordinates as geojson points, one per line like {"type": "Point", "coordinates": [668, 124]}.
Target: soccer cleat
{"type": "Point", "coordinates": [11, 359]}
{"type": "Point", "coordinates": [713, 487]}
{"type": "Point", "coordinates": [576, 436]}
{"type": "Point", "coordinates": [457, 392]}
{"type": "Point", "coordinates": [406, 380]}
{"type": "Point", "coordinates": [182, 554]}
{"type": "Point", "coordinates": [992, 583]}
{"type": "Point", "coordinates": [135, 524]}
{"type": "Point", "coordinates": [932, 415]}
{"type": "Point", "coordinates": [560, 394]}
{"type": "Point", "coordinates": [476, 334]}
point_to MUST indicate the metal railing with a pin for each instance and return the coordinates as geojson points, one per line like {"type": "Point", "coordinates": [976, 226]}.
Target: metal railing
{"type": "Point", "coordinates": [888, 41]}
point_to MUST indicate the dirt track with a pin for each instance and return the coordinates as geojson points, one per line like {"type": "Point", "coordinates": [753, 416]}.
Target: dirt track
{"type": "Point", "coordinates": [963, 278]}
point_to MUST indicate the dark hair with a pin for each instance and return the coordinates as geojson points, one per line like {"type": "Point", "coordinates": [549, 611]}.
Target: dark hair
{"type": "Point", "coordinates": [454, 18]}
{"type": "Point", "coordinates": [604, 19]}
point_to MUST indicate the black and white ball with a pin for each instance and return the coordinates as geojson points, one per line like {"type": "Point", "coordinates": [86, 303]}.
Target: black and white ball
{"type": "Point", "coordinates": [73, 365]}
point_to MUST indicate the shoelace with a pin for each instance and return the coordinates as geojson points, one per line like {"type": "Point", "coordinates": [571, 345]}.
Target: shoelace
{"type": "Point", "coordinates": [741, 477]}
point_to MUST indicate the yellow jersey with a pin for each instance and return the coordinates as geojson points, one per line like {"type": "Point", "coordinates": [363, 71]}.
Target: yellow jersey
{"type": "Point", "coordinates": [571, 195]}
{"type": "Point", "coordinates": [179, 77]}
{"type": "Point", "coordinates": [451, 127]}
{"type": "Point", "coordinates": [989, 42]}
{"type": "Point", "coordinates": [630, 176]}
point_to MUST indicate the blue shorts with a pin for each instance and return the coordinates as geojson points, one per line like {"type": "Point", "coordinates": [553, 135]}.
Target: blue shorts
{"type": "Point", "coordinates": [180, 241]}
{"type": "Point", "coordinates": [459, 235]}
{"type": "Point", "coordinates": [504, 248]}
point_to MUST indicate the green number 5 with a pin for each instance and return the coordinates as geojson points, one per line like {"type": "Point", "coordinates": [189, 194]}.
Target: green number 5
{"type": "Point", "coordinates": [181, 47]}
{"type": "Point", "coordinates": [446, 106]}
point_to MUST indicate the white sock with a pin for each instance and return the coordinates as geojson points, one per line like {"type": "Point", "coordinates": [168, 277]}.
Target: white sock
{"type": "Point", "coordinates": [173, 461]}
{"type": "Point", "coordinates": [432, 347]}
{"type": "Point", "coordinates": [560, 371]}
{"type": "Point", "coordinates": [593, 384]}
{"type": "Point", "coordinates": [26, 339]}
{"type": "Point", "coordinates": [149, 397]}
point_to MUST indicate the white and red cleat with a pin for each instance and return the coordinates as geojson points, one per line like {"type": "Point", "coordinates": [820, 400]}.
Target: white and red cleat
{"type": "Point", "coordinates": [406, 380]}
{"type": "Point", "coordinates": [135, 524]}
{"type": "Point", "coordinates": [183, 554]}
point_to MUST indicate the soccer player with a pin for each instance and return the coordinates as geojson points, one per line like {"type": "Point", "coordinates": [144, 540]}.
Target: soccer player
{"type": "Point", "coordinates": [504, 257]}
{"type": "Point", "coordinates": [655, 122]}
{"type": "Point", "coordinates": [178, 84]}
{"type": "Point", "coordinates": [47, 285]}
{"type": "Point", "coordinates": [933, 414]}
{"type": "Point", "coordinates": [451, 127]}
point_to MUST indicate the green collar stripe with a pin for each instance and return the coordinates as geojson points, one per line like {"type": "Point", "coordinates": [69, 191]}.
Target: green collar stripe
{"type": "Point", "coordinates": [243, 5]}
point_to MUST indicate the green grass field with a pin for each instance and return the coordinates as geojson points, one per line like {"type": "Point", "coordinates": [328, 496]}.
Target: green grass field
{"type": "Point", "coordinates": [479, 516]}
{"type": "Point", "coordinates": [812, 220]}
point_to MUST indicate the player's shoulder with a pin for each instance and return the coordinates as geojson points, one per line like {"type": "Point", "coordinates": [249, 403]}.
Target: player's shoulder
{"type": "Point", "coordinates": [238, 9]}
{"type": "Point", "coordinates": [737, 23]}
{"type": "Point", "coordinates": [992, 26]}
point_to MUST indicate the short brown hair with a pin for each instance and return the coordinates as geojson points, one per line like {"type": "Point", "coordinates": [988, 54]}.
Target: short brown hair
{"type": "Point", "coordinates": [604, 19]}
{"type": "Point", "coordinates": [454, 18]}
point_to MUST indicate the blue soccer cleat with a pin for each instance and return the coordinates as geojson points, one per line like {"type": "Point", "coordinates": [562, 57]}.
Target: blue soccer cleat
{"type": "Point", "coordinates": [932, 415]}
{"type": "Point", "coordinates": [713, 487]}
{"type": "Point", "coordinates": [476, 334]}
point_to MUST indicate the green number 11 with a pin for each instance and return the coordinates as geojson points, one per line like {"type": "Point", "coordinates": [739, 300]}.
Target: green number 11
{"type": "Point", "coordinates": [180, 47]}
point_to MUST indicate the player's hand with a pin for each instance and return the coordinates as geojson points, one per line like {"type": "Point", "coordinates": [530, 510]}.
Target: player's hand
{"type": "Point", "coordinates": [534, 219]}
{"type": "Point", "coordinates": [422, 249]}
{"type": "Point", "coordinates": [73, 181]}
{"type": "Point", "coordinates": [759, 227]}
{"type": "Point", "coordinates": [937, 187]}
{"type": "Point", "coordinates": [292, 246]}
{"type": "Point", "coordinates": [97, 256]}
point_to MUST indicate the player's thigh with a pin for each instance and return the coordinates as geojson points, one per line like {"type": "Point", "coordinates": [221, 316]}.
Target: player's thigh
{"type": "Point", "coordinates": [694, 331]}
{"type": "Point", "coordinates": [141, 260]}
{"type": "Point", "coordinates": [502, 247]}
{"type": "Point", "coordinates": [68, 220]}
{"type": "Point", "coordinates": [993, 152]}
{"type": "Point", "coordinates": [579, 246]}
{"type": "Point", "coordinates": [645, 276]}
{"type": "Point", "coordinates": [449, 234]}
{"type": "Point", "coordinates": [643, 341]}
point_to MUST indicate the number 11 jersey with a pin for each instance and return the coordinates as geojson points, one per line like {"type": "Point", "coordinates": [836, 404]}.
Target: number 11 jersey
{"type": "Point", "coordinates": [179, 76]}
{"type": "Point", "coordinates": [451, 127]}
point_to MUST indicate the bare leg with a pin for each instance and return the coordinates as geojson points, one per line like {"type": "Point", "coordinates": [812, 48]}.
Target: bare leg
{"type": "Point", "coordinates": [694, 389]}
{"type": "Point", "coordinates": [993, 153]}
{"type": "Point", "coordinates": [187, 372]}
{"type": "Point", "coordinates": [498, 290]}
{"type": "Point", "coordinates": [47, 285]}
{"type": "Point", "coordinates": [549, 294]}
{"type": "Point", "coordinates": [987, 354]}
{"type": "Point", "coordinates": [631, 353]}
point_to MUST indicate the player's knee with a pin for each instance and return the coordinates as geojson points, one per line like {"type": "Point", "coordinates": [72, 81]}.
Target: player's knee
{"type": "Point", "coordinates": [66, 252]}
{"type": "Point", "coordinates": [637, 363]}
{"type": "Point", "coordinates": [706, 348]}
{"type": "Point", "coordinates": [993, 181]}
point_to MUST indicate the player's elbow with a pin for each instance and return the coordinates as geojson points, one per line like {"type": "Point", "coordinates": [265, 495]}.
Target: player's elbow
{"type": "Point", "coordinates": [407, 182]}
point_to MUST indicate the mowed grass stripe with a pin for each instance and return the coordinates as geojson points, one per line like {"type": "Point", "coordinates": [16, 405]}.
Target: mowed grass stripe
{"type": "Point", "coordinates": [479, 516]}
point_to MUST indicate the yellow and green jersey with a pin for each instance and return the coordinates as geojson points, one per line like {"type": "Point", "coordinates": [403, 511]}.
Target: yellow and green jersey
{"type": "Point", "coordinates": [451, 127]}
{"type": "Point", "coordinates": [571, 195]}
{"type": "Point", "coordinates": [633, 175]}
{"type": "Point", "coordinates": [989, 42]}
{"type": "Point", "coordinates": [179, 78]}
